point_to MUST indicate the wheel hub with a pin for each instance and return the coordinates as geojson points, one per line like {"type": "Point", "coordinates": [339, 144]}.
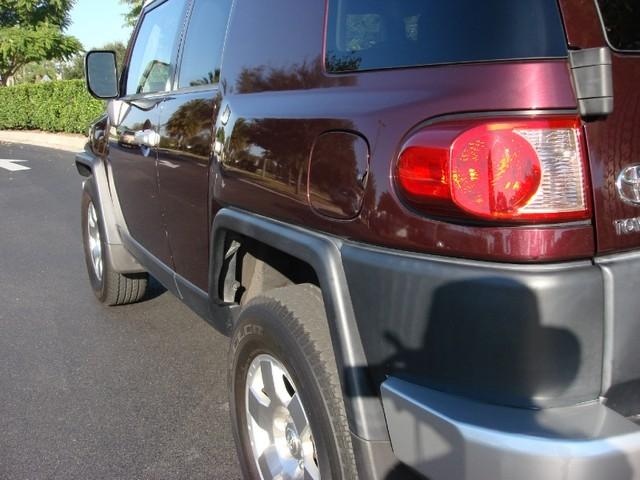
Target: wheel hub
{"type": "Point", "coordinates": [281, 439]}
{"type": "Point", "coordinates": [293, 441]}
{"type": "Point", "coordinates": [95, 243]}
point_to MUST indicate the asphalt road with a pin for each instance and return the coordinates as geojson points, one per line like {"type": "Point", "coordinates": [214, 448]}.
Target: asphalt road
{"type": "Point", "coordinates": [86, 391]}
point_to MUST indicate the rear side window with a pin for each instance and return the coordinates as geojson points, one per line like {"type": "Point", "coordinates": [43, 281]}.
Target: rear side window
{"type": "Point", "coordinates": [374, 34]}
{"type": "Point", "coordinates": [203, 45]}
{"type": "Point", "coordinates": [621, 20]}
{"type": "Point", "coordinates": [150, 64]}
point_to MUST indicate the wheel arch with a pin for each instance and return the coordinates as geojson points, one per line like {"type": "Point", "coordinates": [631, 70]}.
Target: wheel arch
{"type": "Point", "coordinates": [319, 254]}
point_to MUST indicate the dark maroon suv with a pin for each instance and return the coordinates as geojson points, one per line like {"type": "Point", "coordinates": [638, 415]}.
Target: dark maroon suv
{"type": "Point", "coordinates": [418, 221]}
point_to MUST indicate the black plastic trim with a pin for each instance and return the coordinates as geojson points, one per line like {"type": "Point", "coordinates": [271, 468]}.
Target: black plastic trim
{"type": "Point", "coordinates": [621, 371]}
{"type": "Point", "coordinates": [527, 336]}
{"type": "Point", "coordinates": [196, 299]}
{"type": "Point", "coordinates": [161, 272]}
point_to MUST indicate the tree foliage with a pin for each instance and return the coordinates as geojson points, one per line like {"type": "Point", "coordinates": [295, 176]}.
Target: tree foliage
{"type": "Point", "coordinates": [35, 71]}
{"type": "Point", "coordinates": [74, 68]}
{"type": "Point", "coordinates": [135, 7]}
{"type": "Point", "coordinates": [31, 31]}
{"type": "Point", "coordinates": [120, 49]}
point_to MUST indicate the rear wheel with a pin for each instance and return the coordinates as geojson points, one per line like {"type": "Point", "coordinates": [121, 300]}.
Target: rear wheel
{"type": "Point", "coordinates": [278, 426]}
{"type": "Point", "coordinates": [110, 287]}
{"type": "Point", "coordinates": [287, 410]}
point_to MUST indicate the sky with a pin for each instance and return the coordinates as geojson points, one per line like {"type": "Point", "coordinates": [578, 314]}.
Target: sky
{"type": "Point", "coordinates": [96, 22]}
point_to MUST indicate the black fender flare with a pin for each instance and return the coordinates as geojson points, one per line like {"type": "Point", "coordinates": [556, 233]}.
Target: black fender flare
{"type": "Point", "coordinates": [322, 253]}
{"type": "Point", "coordinates": [96, 183]}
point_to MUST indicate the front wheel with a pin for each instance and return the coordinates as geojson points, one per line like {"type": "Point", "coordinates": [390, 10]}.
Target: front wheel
{"type": "Point", "coordinates": [109, 286]}
{"type": "Point", "coordinates": [288, 414]}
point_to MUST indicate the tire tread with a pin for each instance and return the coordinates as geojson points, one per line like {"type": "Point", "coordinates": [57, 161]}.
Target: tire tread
{"type": "Point", "coordinates": [114, 288]}
{"type": "Point", "coordinates": [304, 301]}
{"type": "Point", "coordinates": [122, 289]}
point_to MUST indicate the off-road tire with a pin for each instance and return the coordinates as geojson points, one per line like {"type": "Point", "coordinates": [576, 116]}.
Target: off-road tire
{"type": "Point", "coordinates": [290, 325]}
{"type": "Point", "coordinates": [113, 288]}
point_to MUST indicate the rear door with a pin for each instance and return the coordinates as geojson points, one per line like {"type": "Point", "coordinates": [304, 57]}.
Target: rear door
{"type": "Point", "coordinates": [134, 118]}
{"type": "Point", "coordinates": [613, 142]}
{"type": "Point", "coordinates": [186, 124]}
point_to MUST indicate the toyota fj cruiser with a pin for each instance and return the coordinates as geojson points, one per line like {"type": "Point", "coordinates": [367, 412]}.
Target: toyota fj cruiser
{"type": "Point", "coordinates": [418, 221]}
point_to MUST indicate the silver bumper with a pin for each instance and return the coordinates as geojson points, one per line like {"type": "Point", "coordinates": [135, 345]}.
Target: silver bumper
{"type": "Point", "coordinates": [447, 437]}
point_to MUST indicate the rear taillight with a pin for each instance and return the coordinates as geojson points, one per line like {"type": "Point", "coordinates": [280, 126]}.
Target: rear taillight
{"type": "Point", "coordinates": [507, 170]}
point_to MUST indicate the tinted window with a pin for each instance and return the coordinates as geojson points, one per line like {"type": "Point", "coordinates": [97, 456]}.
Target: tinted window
{"type": "Point", "coordinates": [371, 34]}
{"type": "Point", "coordinates": [203, 45]}
{"type": "Point", "coordinates": [622, 23]}
{"type": "Point", "coordinates": [150, 64]}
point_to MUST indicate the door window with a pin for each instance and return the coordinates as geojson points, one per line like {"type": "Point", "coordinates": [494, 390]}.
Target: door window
{"type": "Point", "coordinates": [150, 64]}
{"type": "Point", "coordinates": [203, 45]}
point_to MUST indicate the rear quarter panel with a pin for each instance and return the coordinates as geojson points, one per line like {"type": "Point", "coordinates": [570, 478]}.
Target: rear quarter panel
{"type": "Point", "coordinates": [281, 99]}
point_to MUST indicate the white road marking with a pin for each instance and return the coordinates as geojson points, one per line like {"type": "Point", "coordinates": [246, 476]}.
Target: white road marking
{"type": "Point", "coordinates": [169, 164]}
{"type": "Point", "coordinates": [12, 165]}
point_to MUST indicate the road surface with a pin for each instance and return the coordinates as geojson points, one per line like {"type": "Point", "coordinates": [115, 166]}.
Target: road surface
{"type": "Point", "coordinates": [89, 392]}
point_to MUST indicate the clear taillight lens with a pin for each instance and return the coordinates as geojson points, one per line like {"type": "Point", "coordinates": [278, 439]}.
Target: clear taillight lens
{"type": "Point", "coordinates": [512, 170]}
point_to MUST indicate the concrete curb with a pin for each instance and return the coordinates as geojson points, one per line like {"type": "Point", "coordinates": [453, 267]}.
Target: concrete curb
{"type": "Point", "coordinates": [59, 141]}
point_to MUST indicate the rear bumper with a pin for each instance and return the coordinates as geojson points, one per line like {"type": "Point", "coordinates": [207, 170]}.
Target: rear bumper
{"type": "Point", "coordinates": [621, 368]}
{"type": "Point", "coordinates": [445, 437]}
{"type": "Point", "coordinates": [498, 371]}
{"type": "Point", "coordinates": [527, 336]}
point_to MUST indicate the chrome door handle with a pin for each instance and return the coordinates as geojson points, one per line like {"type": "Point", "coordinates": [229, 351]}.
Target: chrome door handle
{"type": "Point", "coordinates": [147, 138]}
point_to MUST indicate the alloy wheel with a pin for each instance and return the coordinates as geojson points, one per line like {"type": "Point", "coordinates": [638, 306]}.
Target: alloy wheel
{"type": "Point", "coordinates": [95, 243]}
{"type": "Point", "coordinates": [281, 438]}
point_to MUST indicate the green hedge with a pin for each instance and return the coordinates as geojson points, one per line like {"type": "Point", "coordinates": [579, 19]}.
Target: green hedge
{"type": "Point", "coordinates": [63, 106]}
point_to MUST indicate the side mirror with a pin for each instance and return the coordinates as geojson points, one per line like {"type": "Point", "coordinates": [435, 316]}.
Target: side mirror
{"type": "Point", "coordinates": [101, 74]}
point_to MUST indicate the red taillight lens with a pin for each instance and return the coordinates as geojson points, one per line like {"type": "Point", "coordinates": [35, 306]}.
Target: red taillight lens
{"type": "Point", "coordinates": [493, 172]}
{"type": "Point", "coordinates": [422, 171]}
{"type": "Point", "coordinates": [513, 170]}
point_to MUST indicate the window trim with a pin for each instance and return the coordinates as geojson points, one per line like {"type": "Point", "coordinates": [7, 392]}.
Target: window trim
{"type": "Point", "coordinates": [173, 59]}
{"type": "Point", "coordinates": [180, 54]}
{"type": "Point", "coordinates": [603, 26]}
